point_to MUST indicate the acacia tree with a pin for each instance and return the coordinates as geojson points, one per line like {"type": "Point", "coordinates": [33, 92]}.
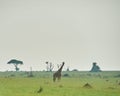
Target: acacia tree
{"type": "Point", "coordinates": [15, 63]}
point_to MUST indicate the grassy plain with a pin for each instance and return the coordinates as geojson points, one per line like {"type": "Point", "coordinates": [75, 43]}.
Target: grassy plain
{"type": "Point", "coordinates": [18, 84]}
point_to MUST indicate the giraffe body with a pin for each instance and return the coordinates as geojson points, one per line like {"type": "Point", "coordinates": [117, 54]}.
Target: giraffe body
{"type": "Point", "coordinates": [57, 74]}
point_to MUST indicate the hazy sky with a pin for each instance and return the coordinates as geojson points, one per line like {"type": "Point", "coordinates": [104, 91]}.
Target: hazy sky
{"type": "Point", "coordinates": [78, 32]}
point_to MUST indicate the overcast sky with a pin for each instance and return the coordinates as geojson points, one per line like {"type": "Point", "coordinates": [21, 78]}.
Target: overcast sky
{"type": "Point", "coordinates": [78, 32]}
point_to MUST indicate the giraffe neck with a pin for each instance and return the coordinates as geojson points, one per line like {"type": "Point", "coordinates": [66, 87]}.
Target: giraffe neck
{"type": "Point", "coordinates": [61, 67]}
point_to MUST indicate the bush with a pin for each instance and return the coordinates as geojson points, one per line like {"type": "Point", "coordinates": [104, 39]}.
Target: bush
{"type": "Point", "coordinates": [66, 75]}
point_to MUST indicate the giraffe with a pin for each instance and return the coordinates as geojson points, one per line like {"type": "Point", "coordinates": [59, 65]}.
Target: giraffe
{"type": "Point", "coordinates": [57, 74]}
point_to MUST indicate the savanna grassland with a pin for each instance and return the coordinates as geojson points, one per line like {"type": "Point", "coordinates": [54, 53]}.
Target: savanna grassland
{"type": "Point", "coordinates": [72, 84]}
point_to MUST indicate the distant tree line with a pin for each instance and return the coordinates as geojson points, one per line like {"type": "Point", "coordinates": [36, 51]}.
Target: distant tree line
{"type": "Point", "coordinates": [50, 66]}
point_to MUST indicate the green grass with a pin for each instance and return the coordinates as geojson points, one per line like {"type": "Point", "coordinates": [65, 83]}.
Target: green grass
{"type": "Point", "coordinates": [18, 84]}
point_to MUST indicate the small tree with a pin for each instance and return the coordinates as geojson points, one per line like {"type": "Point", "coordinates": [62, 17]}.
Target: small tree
{"type": "Point", "coordinates": [50, 66]}
{"type": "Point", "coordinates": [58, 66]}
{"type": "Point", "coordinates": [30, 73]}
{"type": "Point", "coordinates": [68, 69]}
{"type": "Point", "coordinates": [15, 63]}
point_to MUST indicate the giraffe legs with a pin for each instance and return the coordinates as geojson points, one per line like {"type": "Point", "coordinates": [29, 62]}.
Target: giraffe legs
{"type": "Point", "coordinates": [58, 76]}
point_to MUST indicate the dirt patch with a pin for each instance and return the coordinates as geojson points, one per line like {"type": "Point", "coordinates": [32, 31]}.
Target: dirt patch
{"type": "Point", "coordinates": [40, 90]}
{"type": "Point", "coordinates": [119, 83]}
{"type": "Point", "coordinates": [111, 88]}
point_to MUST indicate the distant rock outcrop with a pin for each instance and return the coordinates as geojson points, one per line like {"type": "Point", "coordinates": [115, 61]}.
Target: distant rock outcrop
{"type": "Point", "coordinates": [95, 68]}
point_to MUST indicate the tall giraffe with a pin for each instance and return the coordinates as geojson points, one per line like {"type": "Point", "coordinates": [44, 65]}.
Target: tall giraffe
{"type": "Point", "coordinates": [57, 74]}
